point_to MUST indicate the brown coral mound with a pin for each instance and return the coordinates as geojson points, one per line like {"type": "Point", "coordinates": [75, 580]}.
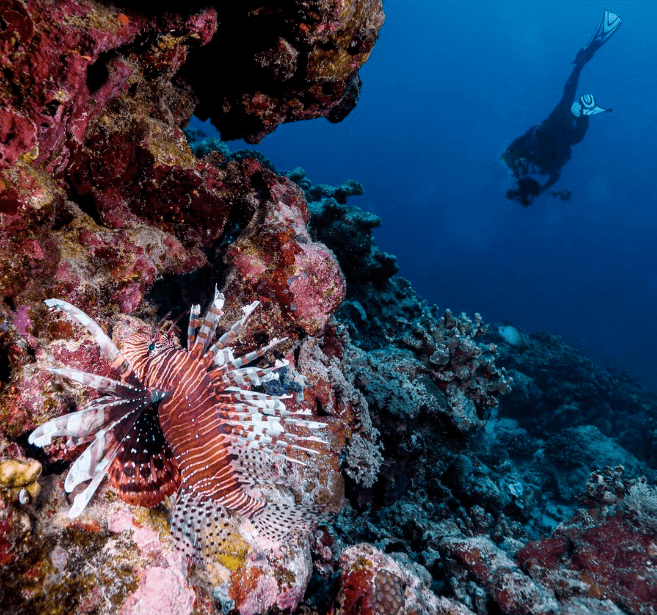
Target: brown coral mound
{"type": "Point", "coordinates": [297, 61]}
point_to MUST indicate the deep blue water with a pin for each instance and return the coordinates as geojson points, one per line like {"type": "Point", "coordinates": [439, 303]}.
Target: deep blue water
{"type": "Point", "coordinates": [448, 86]}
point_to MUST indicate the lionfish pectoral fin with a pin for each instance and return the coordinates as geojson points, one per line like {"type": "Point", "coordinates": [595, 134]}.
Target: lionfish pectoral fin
{"type": "Point", "coordinates": [106, 442]}
{"type": "Point", "coordinates": [94, 461]}
{"type": "Point", "coordinates": [77, 425]}
{"type": "Point", "coordinates": [107, 346]}
{"type": "Point", "coordinates": [100, 383]}
{"type": "Point", "coordinates": [119, 401]}
{"type": "Point", "coordinates": [82, 499]}
{"type": "Point", "coordinates": [145, 472]}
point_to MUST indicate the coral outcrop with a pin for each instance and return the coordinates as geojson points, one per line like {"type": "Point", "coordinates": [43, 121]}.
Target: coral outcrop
{"type": "Point", "coordinates": [296, 62]}
{"type": "Point", "coordinates": [104, 203]}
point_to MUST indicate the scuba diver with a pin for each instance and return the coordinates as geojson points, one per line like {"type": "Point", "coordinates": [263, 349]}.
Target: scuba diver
{"type": "Point", "coordinates": [544, 149]}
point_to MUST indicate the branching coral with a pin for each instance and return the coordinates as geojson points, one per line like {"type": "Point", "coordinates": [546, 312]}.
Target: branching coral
{"type": "Point", "coordinates": [362, 460]}
{"type": "Point", "coordinates": [462, 368]}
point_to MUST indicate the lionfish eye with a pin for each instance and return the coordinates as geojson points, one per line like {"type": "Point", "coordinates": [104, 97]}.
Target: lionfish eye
{"type": "Point", "coordinates": [151, 347]}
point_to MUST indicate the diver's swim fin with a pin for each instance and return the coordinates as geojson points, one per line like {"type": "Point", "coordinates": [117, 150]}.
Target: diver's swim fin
{"type": "Point", "coordinates": [586, 106]}
{"type": "Point", "coordinates": [609, 23]}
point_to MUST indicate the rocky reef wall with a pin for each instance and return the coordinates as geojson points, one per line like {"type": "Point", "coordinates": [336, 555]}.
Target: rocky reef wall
{"type": "Point", "coordinates": [441, 442]}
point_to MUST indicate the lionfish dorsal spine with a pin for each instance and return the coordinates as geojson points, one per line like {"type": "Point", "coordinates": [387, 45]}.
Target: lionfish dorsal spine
{"type": "Point", "coordinates": [247, 376]}
{"type": "Point", "coordinates": [232, 333]}
{"type": "Point", "coordinates": [209, 325]}
{"type": "Point", "coordinates": [194, 323]}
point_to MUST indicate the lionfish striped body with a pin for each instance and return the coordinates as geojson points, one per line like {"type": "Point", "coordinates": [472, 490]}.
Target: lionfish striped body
{"type": "Point", "coordinates": [183, 420]}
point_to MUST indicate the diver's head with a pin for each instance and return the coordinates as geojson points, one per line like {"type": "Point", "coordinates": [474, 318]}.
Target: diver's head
{"type": "Point", "coordinates": [515, 161]}
{"type": "Point", "coordinates": [528, 189]}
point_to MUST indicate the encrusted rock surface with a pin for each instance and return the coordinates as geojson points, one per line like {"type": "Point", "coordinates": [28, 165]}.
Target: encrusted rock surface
{"type": "Point", "coordinates": [103, 203]}
{"type": "Point", "coordinates": [296, 62]}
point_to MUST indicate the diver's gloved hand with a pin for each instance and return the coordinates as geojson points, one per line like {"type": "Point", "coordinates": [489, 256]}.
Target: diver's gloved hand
{"type": "Point", "coordinates": [564, 195]}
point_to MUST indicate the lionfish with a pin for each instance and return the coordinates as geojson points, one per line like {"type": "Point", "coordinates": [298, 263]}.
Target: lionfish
{"type": "Point", "coordinates": [184, 420]}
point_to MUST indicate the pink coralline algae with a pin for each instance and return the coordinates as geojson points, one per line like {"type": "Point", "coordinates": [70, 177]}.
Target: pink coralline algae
{"type": "Point", "coordinates": [605, 551]}
{"type": "Point", "coordinates": [162, 591]}
{"type": "Point", "coordinates": [101, 200]}
{"type": "Point", "coordinates": [280, 263]}
{"type": "Point", "coordinates": [60, 137]}
{"type": "Point", "coordinates": [373, 583]}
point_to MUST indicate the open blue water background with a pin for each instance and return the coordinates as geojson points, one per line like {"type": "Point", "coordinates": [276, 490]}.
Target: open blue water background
{"type": "Point", "coordinates": [448, 86]}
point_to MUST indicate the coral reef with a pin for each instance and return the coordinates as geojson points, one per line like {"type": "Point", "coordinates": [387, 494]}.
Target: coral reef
{"type": "Point", "coordinates": [456, 453]}
{"type": "Point", "coordinates": [297, 62]}
{"type": "Point", "coordinates": [373, 583]}
{"type": "Point", "coordinates": [19, 479]}
{"type": "Point", "coordinates": [104, 203]}
{"type": "Point", "coordinates": [604, 551]}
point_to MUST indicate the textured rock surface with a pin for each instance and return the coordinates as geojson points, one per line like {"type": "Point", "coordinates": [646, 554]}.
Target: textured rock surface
{"type": "Point", "coordinates": [103, 203]}
{"type": "Point", "coordinates": [298, 61]}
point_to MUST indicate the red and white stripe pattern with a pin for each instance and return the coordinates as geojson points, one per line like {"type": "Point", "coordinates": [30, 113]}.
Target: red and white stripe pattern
{"type": "Point", "coordinates": [183, 419]}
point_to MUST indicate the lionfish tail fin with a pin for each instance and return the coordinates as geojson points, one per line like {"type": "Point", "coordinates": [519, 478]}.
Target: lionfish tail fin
{"type": "Point", "coordinates": [107, 346]}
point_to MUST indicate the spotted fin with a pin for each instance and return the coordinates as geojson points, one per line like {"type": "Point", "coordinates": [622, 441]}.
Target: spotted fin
{"type": "Point", "coordinates": [277, 521]}
{"type": "Point", "coordinates": [199, 526]}
{"type": "Point", "coordinates": [253, 466]}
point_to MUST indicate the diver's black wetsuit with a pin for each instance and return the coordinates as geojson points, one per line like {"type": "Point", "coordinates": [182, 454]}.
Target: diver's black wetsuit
{"type": "Point", "coordinates": [552, 141]}
{"type": "Point", "coordinates": [546, 148]}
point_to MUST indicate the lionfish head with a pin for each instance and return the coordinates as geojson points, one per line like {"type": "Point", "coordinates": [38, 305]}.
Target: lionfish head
{"type": "Point", "coordinates": [145, 343]}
